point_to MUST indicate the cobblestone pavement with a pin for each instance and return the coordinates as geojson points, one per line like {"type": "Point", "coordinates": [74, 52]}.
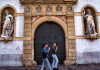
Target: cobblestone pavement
{"type": "Point", "coordinates": [61, 67]}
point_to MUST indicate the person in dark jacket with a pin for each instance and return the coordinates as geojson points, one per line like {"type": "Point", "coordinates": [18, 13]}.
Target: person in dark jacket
{"type": "Point", "coordinates": [45, 52]}
{"type": "Point", "coordinates": [54, 56]}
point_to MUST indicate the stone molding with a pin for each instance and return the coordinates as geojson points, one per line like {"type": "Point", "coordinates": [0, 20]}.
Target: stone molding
{"type": "Point", "coordinates": [19, 14]}
{"type": "Point", "coordinates": [47, 1]}
{"type": "Point", "coordinates": [80, 13]}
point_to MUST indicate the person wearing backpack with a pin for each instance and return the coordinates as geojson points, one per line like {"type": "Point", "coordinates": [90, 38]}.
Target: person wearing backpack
{"type": "Point", "coordinates": [45, 52]}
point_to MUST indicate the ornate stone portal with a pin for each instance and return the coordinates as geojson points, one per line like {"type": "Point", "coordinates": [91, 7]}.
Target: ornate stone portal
{"type": "Point", "coordinates": [65, 20]}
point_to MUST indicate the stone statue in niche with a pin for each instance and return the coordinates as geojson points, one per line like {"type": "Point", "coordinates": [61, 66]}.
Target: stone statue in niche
{"type": "Point", "coordinates": [90, 24]}
{"type": "Point", "coordinates": [8, 25]}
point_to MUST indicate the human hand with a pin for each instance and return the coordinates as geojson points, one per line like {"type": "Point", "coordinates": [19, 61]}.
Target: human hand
{"type": "Point", "coordinates": [49, 48]}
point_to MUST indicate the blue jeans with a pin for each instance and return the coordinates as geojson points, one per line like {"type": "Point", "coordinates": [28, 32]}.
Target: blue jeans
{"type": "Point", "coordinates": [46, 62]}
{"type": "Point", "coordinates": [55, 61]}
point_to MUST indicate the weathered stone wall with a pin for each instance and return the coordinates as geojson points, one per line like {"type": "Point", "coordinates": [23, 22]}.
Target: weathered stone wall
{"type": "Point", "coordinates": [87, 50]}
{"type": "Point", "coordinates": [11, 52]}
{"type": "Point", "coordinates": [78, 47]}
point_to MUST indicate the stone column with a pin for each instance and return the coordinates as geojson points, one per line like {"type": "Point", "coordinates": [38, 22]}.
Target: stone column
{"type": "Point", "coordinates": [28, 58]}
{"type": "Point", "coordinates": [71, 50]}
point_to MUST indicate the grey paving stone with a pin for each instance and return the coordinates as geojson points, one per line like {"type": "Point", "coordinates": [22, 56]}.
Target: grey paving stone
{"type": "Point", "coordinates": [61, 67]}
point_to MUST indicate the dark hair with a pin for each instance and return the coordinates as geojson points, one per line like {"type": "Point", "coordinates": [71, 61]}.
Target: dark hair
{"type": "Point", "coordinates": [44, 44]}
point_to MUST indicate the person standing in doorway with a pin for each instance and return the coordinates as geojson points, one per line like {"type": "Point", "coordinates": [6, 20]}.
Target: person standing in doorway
{"type": "Point", "coordinates": [45, 52]}
{"type": "Point", "coordinates": [54, 56]}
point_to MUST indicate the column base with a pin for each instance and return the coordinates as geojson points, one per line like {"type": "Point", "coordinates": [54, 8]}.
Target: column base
{"type": "Point", "coordinates": [69, 62]}
{"type": "Point", "coordinates": [29, 63]}
{"type": "Point", "coordinates": [34, 63]}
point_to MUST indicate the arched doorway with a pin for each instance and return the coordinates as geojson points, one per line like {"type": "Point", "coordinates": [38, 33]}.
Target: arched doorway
{"type": "Point", "coordinates": [49, 32]}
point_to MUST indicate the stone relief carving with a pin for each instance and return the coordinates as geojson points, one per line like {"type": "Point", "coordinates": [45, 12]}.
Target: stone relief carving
{"type": "Point", "coordinates": [69, 7]}
{"type": "Point", "coordinates": [48, 8]}
{"type": "Point", "coordinates": [59, 8]}
{"type": "Point", "coordinates": [8, 25]}
{"type": "Point", "coordinates": [28, 9]}
{"type": "Point", "coordinates": [90, 24]}
{"type": "Point", "coordinates": [38, 9]}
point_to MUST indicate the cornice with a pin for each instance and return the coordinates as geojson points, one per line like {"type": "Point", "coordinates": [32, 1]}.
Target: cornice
{"type": "Point", "coordinates": [71, 1]}
{"type": "Point", "coordinates": [47, 1]}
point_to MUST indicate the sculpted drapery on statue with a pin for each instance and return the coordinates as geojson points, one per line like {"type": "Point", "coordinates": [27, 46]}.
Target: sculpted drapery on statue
{"type": "Point", "coordinates": [90, 23]}
{"type": "Point", "coordinates": [8, 25]}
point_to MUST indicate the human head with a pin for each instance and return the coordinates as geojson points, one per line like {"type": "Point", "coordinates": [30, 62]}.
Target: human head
{"type": "Point", "coordinates": [54, 44]}
{"type": "Point", "coordinates": [46, 45]}
{"type": "Point", "coordinates": [88, 11]}
{"type": "Point", "coordinates": [6, 12]}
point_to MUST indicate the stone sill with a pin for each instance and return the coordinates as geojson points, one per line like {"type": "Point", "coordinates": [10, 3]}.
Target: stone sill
{"type": "Point", "coordinates": [15, 38]}
{"type": "Point", "coordinates": [70, 1]}
{"type": "Point", "coordinates": [69, 37]}
{"type": "Point", "coordinates": [84, 37]}
{"type": "Point", "coordinates": [88, 37]}
{"type": "Point", "coordinates": [6, 39]}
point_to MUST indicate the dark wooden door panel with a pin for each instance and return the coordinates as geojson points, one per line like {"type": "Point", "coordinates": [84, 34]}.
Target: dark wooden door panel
{"type": "Point", "coordinates": [49, 32]}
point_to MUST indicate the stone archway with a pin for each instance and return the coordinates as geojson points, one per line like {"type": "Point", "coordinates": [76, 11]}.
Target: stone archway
{"type": "Point", "coordinates": [57, 21]}
{"type": "Point", "coordinates": [49, 32]}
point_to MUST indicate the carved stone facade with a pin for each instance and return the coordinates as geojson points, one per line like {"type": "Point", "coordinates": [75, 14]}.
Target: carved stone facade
{"type": "Point", "coordinates": [59, 8]}
{"type": "Point", "coordinates": [65, 20]}
{"type": "Point", "coordinates": [30, 14]}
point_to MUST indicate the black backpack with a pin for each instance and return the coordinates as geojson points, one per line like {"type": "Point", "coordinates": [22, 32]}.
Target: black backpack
{"type": "Point", "coordinates": [44, 55]}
